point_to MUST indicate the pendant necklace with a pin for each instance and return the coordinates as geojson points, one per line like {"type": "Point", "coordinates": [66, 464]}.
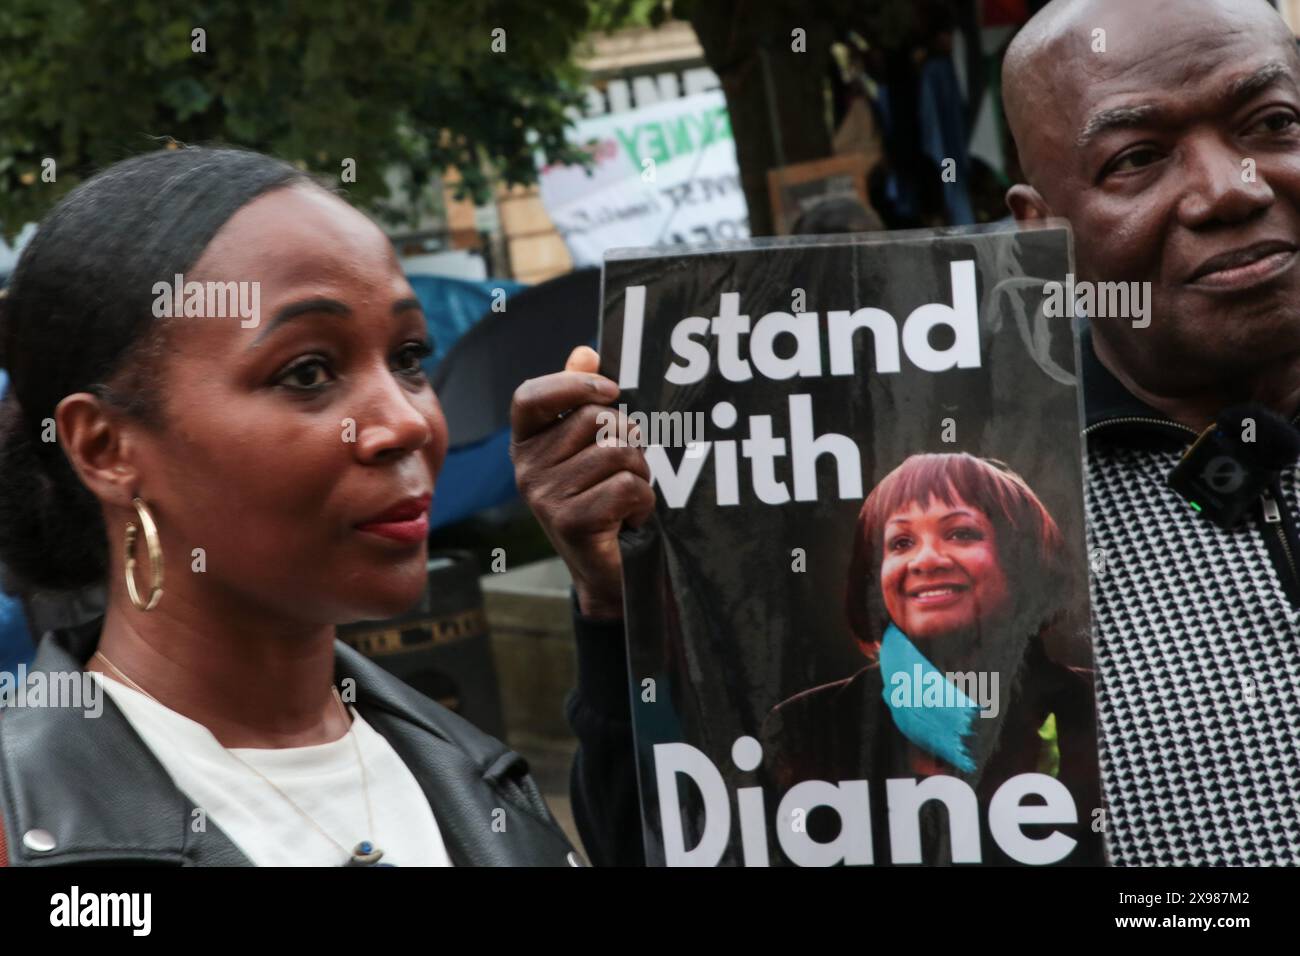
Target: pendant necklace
{"type": "Point", "coordinates": [364, 853]}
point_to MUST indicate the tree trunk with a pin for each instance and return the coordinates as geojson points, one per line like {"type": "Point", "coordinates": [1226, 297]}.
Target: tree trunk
{"type": "Point", "coordinates": [775, 120]}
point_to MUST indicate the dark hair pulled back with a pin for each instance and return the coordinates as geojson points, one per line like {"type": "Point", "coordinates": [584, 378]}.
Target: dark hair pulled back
{"type": "Point", "coordinates": [78, 317]}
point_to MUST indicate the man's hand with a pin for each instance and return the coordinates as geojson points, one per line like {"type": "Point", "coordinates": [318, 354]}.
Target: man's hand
{"type": "Point", "coordinates": [580, 491]}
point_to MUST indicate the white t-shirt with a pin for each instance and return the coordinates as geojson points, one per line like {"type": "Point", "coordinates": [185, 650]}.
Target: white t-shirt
{"type": "Point", "coordinates": [324, 780]}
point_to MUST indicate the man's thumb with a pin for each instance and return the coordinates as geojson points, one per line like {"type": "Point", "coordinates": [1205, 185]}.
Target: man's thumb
{"type": "Point", "coordinates": [582, 359]}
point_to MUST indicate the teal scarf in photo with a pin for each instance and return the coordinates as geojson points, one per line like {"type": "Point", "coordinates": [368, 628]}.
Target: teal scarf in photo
{"type": "Point", "coordinates": [938, 730]}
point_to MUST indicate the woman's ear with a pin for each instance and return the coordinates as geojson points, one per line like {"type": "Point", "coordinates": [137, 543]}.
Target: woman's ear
{"type": "Point", "coordinates": [91, 436]}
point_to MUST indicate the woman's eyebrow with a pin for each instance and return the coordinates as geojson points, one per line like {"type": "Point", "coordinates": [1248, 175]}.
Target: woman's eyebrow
{"type": "Point", "coordinates": [296, 309]}
{"type": "Point", "coordinates": [326, 306]}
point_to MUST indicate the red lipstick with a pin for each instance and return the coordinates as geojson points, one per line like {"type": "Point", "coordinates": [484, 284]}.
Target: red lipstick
{"type": "Point", "coordinates": [406, 521]}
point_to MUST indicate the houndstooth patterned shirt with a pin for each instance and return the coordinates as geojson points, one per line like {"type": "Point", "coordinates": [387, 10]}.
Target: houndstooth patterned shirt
{"type": "Point", "coordinates": [1197, 647]}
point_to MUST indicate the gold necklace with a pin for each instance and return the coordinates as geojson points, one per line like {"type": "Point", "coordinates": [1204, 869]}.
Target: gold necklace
{"type": "Point", "coordinates": [364, 853]}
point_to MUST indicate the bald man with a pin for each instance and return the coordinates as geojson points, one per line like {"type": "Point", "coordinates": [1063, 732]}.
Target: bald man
{"type": "Point", "coordinates": [1171, 143]}
{"type": "Point", "coordinates": [1168, 133]}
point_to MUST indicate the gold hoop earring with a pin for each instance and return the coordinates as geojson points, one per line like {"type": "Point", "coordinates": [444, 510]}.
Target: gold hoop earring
{"type": "Point", "coordinates": [155, 557]}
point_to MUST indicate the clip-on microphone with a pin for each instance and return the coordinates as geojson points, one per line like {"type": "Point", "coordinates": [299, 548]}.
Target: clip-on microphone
{"type": "Point", "coordinates": [1234, 461]}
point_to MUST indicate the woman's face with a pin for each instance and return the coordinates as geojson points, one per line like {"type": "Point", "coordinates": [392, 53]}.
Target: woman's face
{"type": "Point", "coordinates": [940, 572]}
{"type": "Point", "coordinates": [284, 438]}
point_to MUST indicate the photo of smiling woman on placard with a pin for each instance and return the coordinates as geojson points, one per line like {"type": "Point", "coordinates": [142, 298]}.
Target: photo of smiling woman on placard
{"type": "Point", "coordinates": [956, 581]}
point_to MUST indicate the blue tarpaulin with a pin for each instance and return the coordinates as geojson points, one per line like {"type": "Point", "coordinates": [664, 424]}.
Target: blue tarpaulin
{"type": "Point", "coordinates": [15, 641]}
{"type": "Point", "coordinates": [474, 477]}
{"type": "Point", "coordinates": [476, 381]}
{"type": "Point", "coordinates": [452, 306]}
{"type": "Point", "coordinates": [480, 475]}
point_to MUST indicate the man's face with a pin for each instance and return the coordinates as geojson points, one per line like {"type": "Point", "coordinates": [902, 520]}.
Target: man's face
{"type": "Point", "coordinates": [1175, 155]}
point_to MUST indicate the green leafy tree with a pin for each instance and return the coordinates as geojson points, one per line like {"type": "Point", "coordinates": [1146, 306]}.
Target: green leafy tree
{"type": "Point", "coordinates": [410, 87]}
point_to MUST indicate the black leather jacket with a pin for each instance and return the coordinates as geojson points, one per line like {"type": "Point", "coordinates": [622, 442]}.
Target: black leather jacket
{"type": "Point", "coordinates": [95, 787]}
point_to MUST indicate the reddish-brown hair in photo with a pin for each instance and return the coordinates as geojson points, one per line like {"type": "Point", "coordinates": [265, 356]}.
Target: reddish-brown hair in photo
{"type": "Point", "coordinates": [1030, 546]}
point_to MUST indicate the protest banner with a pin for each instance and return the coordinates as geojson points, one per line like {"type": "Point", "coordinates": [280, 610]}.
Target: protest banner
{"type": "Point", "coordinates": [665, 174]}
{"type": "Point", "coordinates": [857, 619]}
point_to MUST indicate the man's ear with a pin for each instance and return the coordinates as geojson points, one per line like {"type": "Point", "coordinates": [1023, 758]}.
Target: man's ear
{"type": "Point", "coordinates": [1026, 204]}
{"type": "Point", "coordinates": [92, 439]}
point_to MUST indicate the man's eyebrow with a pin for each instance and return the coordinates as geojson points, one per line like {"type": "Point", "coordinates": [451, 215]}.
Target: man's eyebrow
{"type": "Point", "coordinates": [401, 305]}
{"type": "Point", "coordinates": [1120, 117]}
{"type": "Point", "coordinates": [1268, 74]}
